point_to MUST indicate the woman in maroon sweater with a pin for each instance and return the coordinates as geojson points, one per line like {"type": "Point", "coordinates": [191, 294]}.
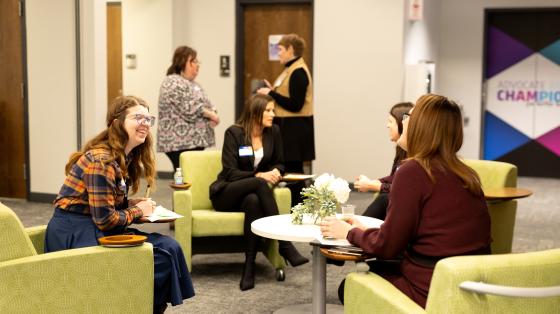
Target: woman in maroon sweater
{"type": "Point", "coordinates": [436, 205]}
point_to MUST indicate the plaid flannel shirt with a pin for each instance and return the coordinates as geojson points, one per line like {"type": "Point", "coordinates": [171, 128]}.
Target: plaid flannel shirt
{"type": "Point", "coordinates": [97, 189]}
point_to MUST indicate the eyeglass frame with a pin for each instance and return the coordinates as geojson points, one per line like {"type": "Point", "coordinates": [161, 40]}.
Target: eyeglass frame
{"type": "Point", "coordinates": [142, 119]}
{"type": "Point", "coordinates": [405, 116]}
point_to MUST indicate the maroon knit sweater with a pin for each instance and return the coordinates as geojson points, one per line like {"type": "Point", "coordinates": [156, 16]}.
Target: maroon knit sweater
{"type": "Point", "coordinates": [434, 219]}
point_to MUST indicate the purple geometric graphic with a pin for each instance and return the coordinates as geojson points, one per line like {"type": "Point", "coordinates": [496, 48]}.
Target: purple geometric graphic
{"type": "Point", "coordinates": [551, 140]}
{"type": "Point", "coordinates": [503, 51]}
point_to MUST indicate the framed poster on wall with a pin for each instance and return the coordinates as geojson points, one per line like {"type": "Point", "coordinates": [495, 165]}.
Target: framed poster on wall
{"type": "Point", "coordinates": [522, 82]}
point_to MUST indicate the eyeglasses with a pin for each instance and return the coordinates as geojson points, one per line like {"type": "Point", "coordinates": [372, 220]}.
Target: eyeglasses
{"type": "Point", "coordinates": [143, 119]}
{"type": "Point", "coordinates": [405, 116]}
{"type": "Point", "coordinates": [196, 61]}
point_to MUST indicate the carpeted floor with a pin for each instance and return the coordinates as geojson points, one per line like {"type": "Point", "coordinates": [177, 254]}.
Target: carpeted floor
{"type": "Point", "coordinates": [216, 277]}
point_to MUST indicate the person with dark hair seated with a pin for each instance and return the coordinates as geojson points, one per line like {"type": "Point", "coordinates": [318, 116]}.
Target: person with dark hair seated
{"type": "Point", "coordinates": [378, 208]}
{"type": "Point", "coordinates": [252, 161]}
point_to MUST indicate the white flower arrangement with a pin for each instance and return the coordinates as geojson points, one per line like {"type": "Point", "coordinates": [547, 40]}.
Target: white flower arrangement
{"type": "Point", "coordinates": [321, 199]}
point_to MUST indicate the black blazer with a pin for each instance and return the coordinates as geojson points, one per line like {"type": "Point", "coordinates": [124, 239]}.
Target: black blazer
{"type": "Point", "coordinates": [237, 167]}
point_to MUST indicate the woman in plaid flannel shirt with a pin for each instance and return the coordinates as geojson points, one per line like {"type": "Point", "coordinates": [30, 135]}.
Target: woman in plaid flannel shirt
{"type": "Point", "coordinates": [93, 201]}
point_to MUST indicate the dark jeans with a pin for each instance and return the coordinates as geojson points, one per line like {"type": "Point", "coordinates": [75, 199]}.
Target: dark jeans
{"type": "Point", "coordinates": [174, 156]}
{"type": "Point", "coordinates": [172, 280]}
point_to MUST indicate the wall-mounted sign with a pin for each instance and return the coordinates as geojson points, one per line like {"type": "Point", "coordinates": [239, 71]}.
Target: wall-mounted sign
{"type": "Point", "coordinates": [273, 41]}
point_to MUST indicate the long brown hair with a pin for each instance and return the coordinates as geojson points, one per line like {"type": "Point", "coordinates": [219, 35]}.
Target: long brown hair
{"type": "Point", "coordinates": [114, 139]}
{"type": "Point", "coordinates": [435, 135]}
{"type": "Point", "coordinates": [252, 114]}
{"type": "Point", "coordinates": [397, 112]}
{"type": "Point", "coordinates": [180, 58]}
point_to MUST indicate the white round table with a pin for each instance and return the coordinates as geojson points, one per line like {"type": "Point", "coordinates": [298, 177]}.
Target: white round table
{"type": "Point", "coordinates": [280, 227]}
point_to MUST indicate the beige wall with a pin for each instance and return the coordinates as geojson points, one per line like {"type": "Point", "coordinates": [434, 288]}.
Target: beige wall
{"type": "Point", "coordinates": [360, 48]}
{"type": "Point", "coordinates": [93, 61]}
{"type": "Point", "coordinates": [356, 80]}
{"type": "Point", "coordinates": [51, 69]}
{"type": "Point", "coordinates": [208, 26]}
{"type": "Point", "coordinates": [147, 33]}
{"type": "Point", "coordinates": [358, 75]}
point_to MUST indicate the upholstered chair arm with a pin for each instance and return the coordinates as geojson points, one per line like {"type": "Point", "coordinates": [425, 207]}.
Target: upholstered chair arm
{"type": "Point", "coordinates": [85, 280]}
{"type": "Point", "coordinates": [368, 292]}
{"type": "Point", "coordinates": [283, 198]}
{"type": "Point", "coordinates": [507, 291]}
{"type": "Point", "coordinates": [532, 269]}
{"type": "Point", "coordinates": [37, 236]}
{"type": "Point", "coordinates": [182, 205]}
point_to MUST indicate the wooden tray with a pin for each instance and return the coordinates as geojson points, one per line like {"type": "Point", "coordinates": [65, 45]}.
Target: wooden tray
{"type": "Point", "coordinates": [342, 257]}
{"type": "Point", "coordinates": [123, 240]}
{"type": "Point", "coordinates": [504, 194]}
{"type": "Point", "coordinates": [184, 186]}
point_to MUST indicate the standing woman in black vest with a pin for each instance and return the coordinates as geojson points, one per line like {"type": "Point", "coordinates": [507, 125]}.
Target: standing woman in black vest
{"type": "Point", "coordinates": [252, 162]}
{"type": "Point", "coordinates": [293, 95]}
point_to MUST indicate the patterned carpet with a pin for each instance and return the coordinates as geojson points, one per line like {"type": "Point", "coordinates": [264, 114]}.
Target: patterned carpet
{"type": "Point", "coordinates": [216, 277]}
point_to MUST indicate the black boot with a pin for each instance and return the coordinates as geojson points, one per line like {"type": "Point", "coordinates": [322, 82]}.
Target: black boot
{"type": "Point", "coordinates": [248, 277]}
{"type": "Point", "coordinates": [292, 256]}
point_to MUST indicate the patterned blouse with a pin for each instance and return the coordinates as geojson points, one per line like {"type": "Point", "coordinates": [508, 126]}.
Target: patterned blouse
{"type": "Point", "coordinates": [181, 124]}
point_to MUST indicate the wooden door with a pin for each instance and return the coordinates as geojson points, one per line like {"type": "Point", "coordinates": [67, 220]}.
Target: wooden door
{"type": "Point", "coordinates": [12, 105]}
{"type": "Point", "coordinates": [258, 22]}
{"type": "Point", "coordinates": [114, 51]}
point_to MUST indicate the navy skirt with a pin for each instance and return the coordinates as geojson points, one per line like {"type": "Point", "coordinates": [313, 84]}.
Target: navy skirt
{"type": "Point", "coordinates": [172, 280]}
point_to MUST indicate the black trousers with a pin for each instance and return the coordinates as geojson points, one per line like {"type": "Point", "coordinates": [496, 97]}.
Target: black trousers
{"type": "Point", "coordinates": [297, 186]}
{"type": "Point", "coordinates": [174, 156]}
{"type": "Point", "coordinates": [378, 208]}
{"type": "Point", "coordinates": [254, 197]}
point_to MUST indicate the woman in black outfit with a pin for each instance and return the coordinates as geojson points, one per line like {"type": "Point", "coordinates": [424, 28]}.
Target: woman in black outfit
{"type": "Point", "coordinates": [252, 160]}
{"type": "Point", "coordinates": [293, 96]}
{"type": "Point", "coordinates": [378, 208]}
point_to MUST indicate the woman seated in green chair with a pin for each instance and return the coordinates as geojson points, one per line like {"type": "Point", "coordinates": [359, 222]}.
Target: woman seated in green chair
{"type": "Point", "coordinates": [252, 158]}
{"type": "Point", "coordinates": [93, 201]}
{"type": "Point", "coordinates": [436, 205]}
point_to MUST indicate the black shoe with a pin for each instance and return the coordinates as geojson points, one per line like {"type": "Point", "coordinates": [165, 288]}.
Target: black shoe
{"type": "Point", "coordinates": [335, 262]}
{"type": "Point", "coordinates": [248, 277]}
{"type": "Point", "coordinates": [291, 255]}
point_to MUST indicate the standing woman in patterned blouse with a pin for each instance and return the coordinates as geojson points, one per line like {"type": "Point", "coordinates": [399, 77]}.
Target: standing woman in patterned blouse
{"type": "Point", "coordinates": [186, 116]}
{"type": "Point", "coordinates": [93, 201]}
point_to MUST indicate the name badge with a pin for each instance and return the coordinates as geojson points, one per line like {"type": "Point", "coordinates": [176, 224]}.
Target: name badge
{"type": "Point", "coordinates": [245, 151]}
{"type": "Point", "coordinates": [280, 79]}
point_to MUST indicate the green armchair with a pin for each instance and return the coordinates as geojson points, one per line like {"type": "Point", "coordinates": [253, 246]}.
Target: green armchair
{"type": "Point", "coordinates": [85, 280]}
{"type": "Point", "coordinates": [504, 283]}
{"type": "Point", "coordinates": [204, 230]}
{"type": "Point", "coordinates": [495, 174]}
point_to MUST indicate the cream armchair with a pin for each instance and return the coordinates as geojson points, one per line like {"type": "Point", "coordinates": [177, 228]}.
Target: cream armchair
{"type": "Point", "coordinates": [85, 280]}
{"type": "Point", "coordinates": [505, 283]}
{"type": "Point", "coordinates": [204, 230]}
